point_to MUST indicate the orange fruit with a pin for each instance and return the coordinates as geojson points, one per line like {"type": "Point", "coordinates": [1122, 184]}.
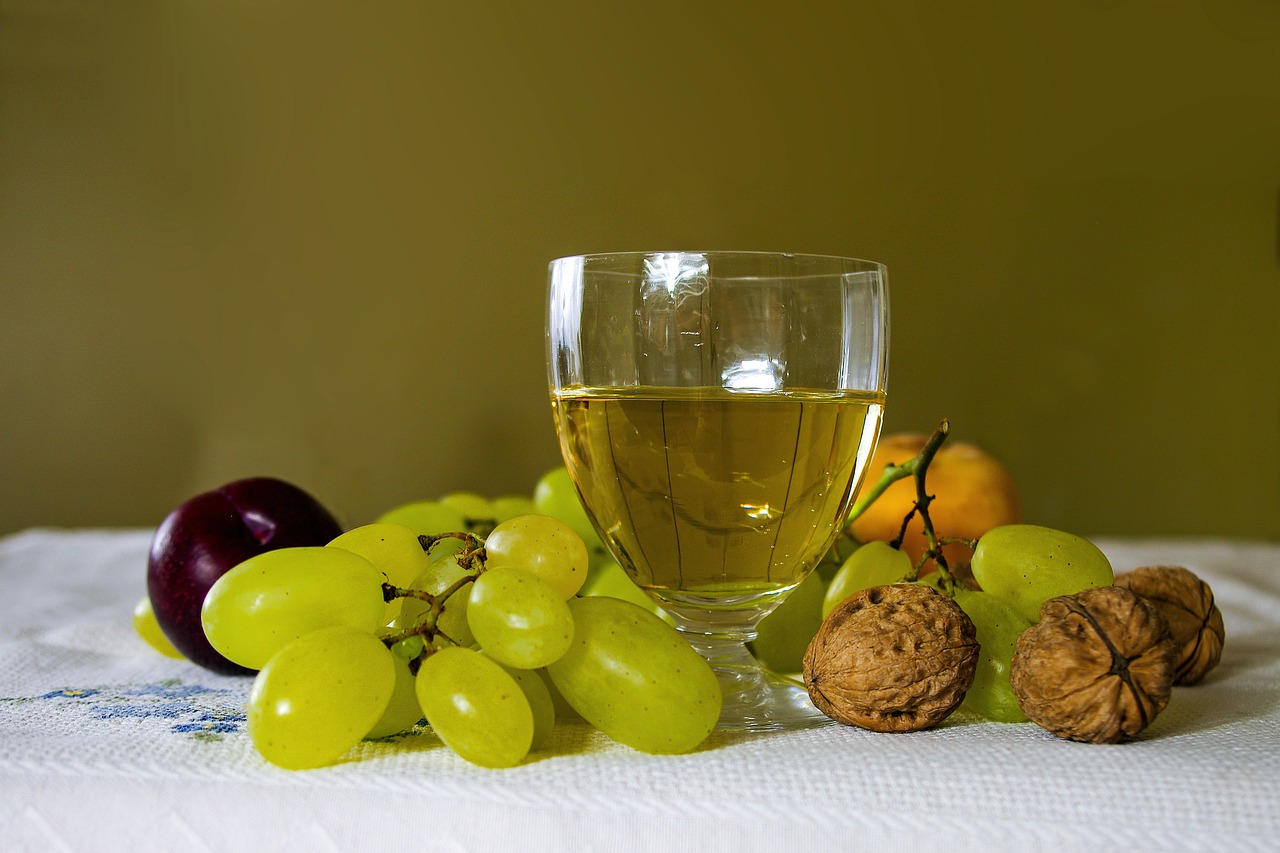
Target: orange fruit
{"type": "Point", "coordinates": [973, 492]}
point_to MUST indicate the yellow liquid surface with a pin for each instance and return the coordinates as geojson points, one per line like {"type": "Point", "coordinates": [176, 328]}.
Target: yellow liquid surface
{"type": "Point", "coordinates": [713, 491]}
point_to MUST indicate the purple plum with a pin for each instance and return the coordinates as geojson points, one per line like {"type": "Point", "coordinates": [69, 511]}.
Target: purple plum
{"type": "Point", "coordinates": [212, 533]}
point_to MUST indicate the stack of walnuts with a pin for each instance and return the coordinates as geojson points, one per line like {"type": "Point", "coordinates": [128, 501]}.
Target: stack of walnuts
{"type": "Point", "coordinates": [1098, 666]}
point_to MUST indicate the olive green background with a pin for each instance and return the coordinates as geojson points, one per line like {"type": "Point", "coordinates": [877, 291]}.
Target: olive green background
{"type": "Point", "coordinates": [310, 239]}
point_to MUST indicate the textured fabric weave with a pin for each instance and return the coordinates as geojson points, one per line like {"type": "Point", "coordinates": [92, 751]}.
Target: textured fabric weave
{"type": "Point", "coordinates": [104, 744]}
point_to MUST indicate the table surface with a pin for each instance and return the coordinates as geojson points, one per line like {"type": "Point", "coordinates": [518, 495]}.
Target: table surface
{"type": "Point", "coordinates": [107, 745]}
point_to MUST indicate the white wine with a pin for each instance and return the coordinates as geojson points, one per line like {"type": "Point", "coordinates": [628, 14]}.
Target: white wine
{"type": "Point", "coordinates": [717, 492]}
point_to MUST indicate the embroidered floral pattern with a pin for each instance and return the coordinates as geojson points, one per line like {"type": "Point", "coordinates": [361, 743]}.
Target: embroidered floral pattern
{"type": "Point", "coordinates": [206, 713]}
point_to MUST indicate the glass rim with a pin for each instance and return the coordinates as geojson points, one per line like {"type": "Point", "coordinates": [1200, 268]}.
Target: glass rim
{"type": "Point", "coordinates": [721, 253]}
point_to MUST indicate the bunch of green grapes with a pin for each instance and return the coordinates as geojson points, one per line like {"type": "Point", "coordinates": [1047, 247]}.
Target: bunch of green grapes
{"type": "Point", "coordinates": [554, 495]}
{"type": "Point", "coordinates": [480, 635]}
{"type": "Point", "coordinates": [1018, 567]}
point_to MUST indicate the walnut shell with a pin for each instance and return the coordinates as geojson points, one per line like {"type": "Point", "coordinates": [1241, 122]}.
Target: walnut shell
{"type": "Point", "coordinates": [892, 659]}
{"type": "Point", "coordinates": [1097, 668]}
{"type": "Point", "coordinates": [1186, 603]}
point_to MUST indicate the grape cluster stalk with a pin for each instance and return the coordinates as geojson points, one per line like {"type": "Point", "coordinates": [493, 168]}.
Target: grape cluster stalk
{"type": "Point", "coordinates": [917, 467]}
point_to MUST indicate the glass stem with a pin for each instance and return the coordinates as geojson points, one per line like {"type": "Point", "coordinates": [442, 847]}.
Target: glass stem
{"type": "Point", "coordinates": [722, 649]}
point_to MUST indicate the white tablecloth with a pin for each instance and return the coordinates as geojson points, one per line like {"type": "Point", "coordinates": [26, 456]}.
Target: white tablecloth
{"type": "Point", "coordinates": [105, 744]}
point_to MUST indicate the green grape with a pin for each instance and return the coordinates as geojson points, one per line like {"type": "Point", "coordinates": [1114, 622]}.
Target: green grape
{"type": "Point", "coordinates": [393, 549]}
{"type": "Point", "coordinates": [510, 506]}
{"type": "Point", "coordinates": [635, 678]}
{"type": "Point", "coordinates": [784, 635]}
{"type": "Point", "coordinates": [563, 710]}
{"type": "Point", "coordinates": [1026, 565]}
{"type": "Point", "coordinates": [840, 550]}
{"type": "Point", "coordinates": [998, 626]}
{"type": "Point", "coordinates": [556, 496]}
{"type": "Point", "coordinates": [600, 557]}
{"type": "Point", "coordinates": [475, 707]}
{"type": "Point", "coordinates": [519, 619]}
{"type": "Point", "coordinates": [438, 577]}
{"type": "Point", "coordinates": [272, 599]}
{"type": "Point", "coordinates": [409, 648]}
{"type": "Point", "coordinates": [828, 565]}
{"type": "Point", "coordinates": [476, 511]}
{"type": "Point", "coordinates": [542, 545]}
{"type": "Point", "coordinates": [608, 578]}
{"type": "Point", "coordinates": [144, 622]}
{"type": "Point", "coordinates": [873, 564]}
{"type": "Point", "coordinates": [403, 711]}
{"type": "Point", "coordinates": [429, 518]}
{"type": "Point", "coordinates": [319, 696]}
{"type": "Point", "coordinates": [446, 548]}
{"type": "Point", "coordinates": [933, 580]}
{"type": "Point", "coordinates": [534, 685]}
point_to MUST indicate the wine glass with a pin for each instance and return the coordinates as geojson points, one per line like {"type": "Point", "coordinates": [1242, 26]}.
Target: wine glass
{"type": "Point", "coordinates": [716, 411]}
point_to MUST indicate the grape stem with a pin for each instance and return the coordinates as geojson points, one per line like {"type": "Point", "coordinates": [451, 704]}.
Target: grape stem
{"type": "Point", "coordinates": [390, 592]}
{"type": "Point", "coordinates": [894, 472]}
{"type": "Point", "coordinates": [896, 542]}
{"type": "Point", "coordinates": [471, 557]}
{"type": "Point", "coordinates": [448, 591]}
{"type": "Point", "coordinates": [947, 580]}
{"type": "Point", "coordinates": [918, 468]}
{"type": "Point", "coordinates": [428, 625]}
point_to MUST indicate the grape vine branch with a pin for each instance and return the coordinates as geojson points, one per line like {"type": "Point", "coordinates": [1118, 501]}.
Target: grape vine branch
{"type": "Point", "coordinates": [916, 467]}
{"type": "Point", "coordinates": [470, 558]}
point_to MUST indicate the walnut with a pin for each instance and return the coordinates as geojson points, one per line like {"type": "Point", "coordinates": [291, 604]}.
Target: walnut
{"type": "Point", "coordinates": [1186, 603]}
{"type": "Point", "coordinates": [892, 659]}
{"type": "Point", "coordinates": [1098, 667]}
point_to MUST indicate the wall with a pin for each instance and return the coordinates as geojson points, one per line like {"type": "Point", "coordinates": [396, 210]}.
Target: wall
{"type": "Point", "coordinates": [310, 239]}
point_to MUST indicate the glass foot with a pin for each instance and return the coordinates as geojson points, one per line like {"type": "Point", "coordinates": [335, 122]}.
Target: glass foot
{"type": "Point", "coordinates": [758, 700]}
{"type": "Point", "coordinates": [755, 698]}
